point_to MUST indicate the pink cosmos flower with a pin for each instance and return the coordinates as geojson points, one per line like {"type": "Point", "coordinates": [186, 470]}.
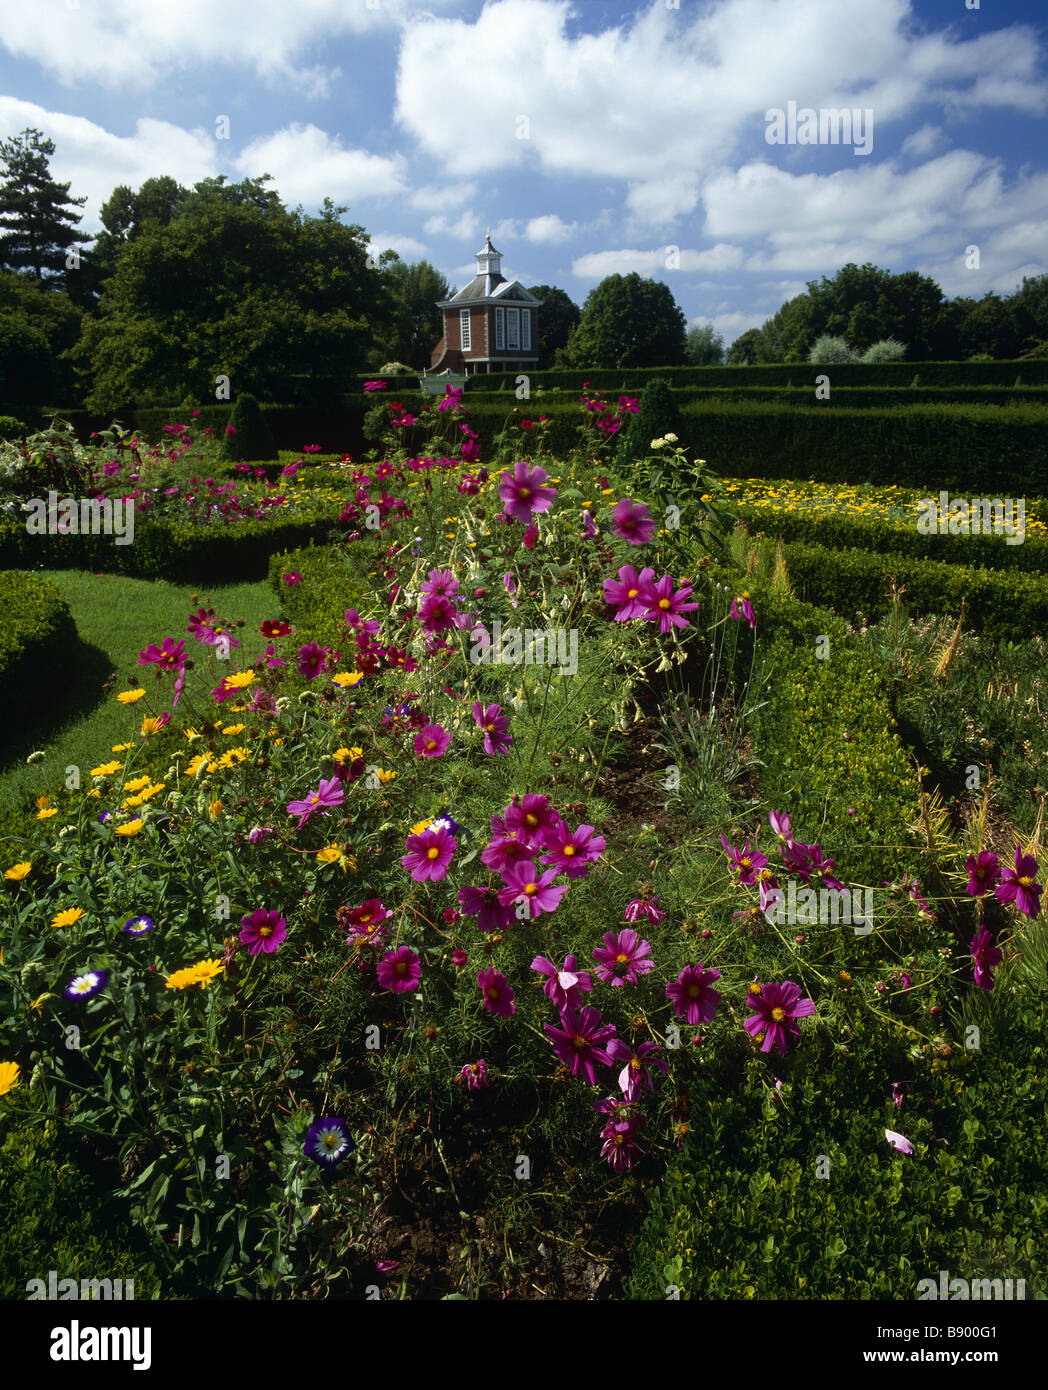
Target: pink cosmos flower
{"type": "Point", "coordinates": [625, 593]}
{"type": "Point", "coordinates": [747, 861]}
{"type": "Point", "coordinates": [259, 834]}
{"type": "Point", "coordinates": [742, 608]}
{"type": "Point", "coordinates": [984, 872]}
{"type": "Point", "coordinates": [357, 623]}
{"type": "Point", "coordinates": [524, 883]}
{"type": "Point", "coordinates": [775, 1009]}
{"type": "Point", "coordinates": [692, 996]}
{"type": "Point", "coordinates": [399, 970]}
{"type": "Point", "coordinates": [365, 921]}
{"type": "Point", "coordinates": [572, 851]}
{"type": "Point", "coordinates": [311, 659]}
{"type": "Point", "coordinates": [375, 385]}
{"type": "Point", "coordinates": [509, 583]}
{"type": "Point", "coordinates": [429, 854]}
{"type": "Point", "coordinates": [577, 1042]}
{"type": "Point", "coordinates": [666, 604]}
{"type": "Point", "coordinates": [619, 1147]}
{"type": "Point", "coordinates": [170, 657]}
{"type": "Point", "coordinates": [635, 1075]}
{"type": "Point", "coordinates": [263, 931]}
{"type": "Point", "coordinates": [899, 1142]}
{"type": "Point", "coordinates": [622, 958]}
{"type": "Point", "coordinates": [633, 521]}
{"type": "Point", "coordinates": [589, 528]}
{"type": "Point", "coordinates": [564, 985]}
{"type": "Point", "coordinates": [483, 903]}
{"type": "Point", "coordinates": [475, 1074]}
{"type": "Point", "coordinates": [329, 793]}
{"type": "Point", "coordinates": [293, 578]}
{"type": "Point", "coordinates": [1019, 886]}
{"type": "Point", "coordinates": [644, 907]}
{"type": "Point", "coordinates": [495, 725]}
{"type": "Point", "coordinates": [529, 537]}
{"type": "Point", "coordinates": [507, 847]}
{"type": "Point", "coordinates": [987, 957]}
{"type": "Point", "coordinates": [432, 741]}
{"type": "Point", "coordinates": [781, 825]}
{"type": "Point", "coordinates": [523, 493]}
{"type": "Point", "coordinates": [497, 992]}
{"type": "Point", "coordinates": [530, 816]}
{"type": "Point", "coordinates": [436, 613]}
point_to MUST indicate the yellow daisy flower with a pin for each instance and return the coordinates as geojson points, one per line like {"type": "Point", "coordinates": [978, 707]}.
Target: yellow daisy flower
{"type": "Point", "coordinates": [206, 970]}
{"type": "Point", "coordinates": [67, 917]}
{"type": "Point", "coordinates": [42, 802]}
{"type": "Point", "coordinates": [106, 769]}
{"type": "Point", "coordinates": [93, 792]}
{"type": "Point", "coordinates": [136, 784]}
{"type": "Point", "coordinates": [47, 814]}
{"type": "Point", "coordinates": [234, 728]}
{"type": "Point", "coordinates": [181, 979]}
{"type": "Point", "coordinates": [8, 1077]}
{"type": "Point", "coordinates": [151, 726]}
{"type": "Point", "coordinates": [17, 872]}
{"type": "Point", "coordinates": [131, 828]}
{"type": "Point", "coordinates": [214, 808]}
{"type": "Point", "coordinates": [130, 697]}
{"type": "Point", "coordinates": [385, 776]}
{"type": "Point", "coordinates": [122, 747]}
{"type": "Point", "coordinates": [238, 680]}
{"type": "Point", "coordinates": [418, 828]}
{"type": "Point", "coordinates": [347, 679]}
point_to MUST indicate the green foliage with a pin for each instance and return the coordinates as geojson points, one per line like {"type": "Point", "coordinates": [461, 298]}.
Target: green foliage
{"type": "Point", "coordinates": [251, 437]}
{"type": "Point", "coordinates": [628, 321]}
{"type": "Point", "coordinates": [1006, 603]}
{"type": "Point", "coordinates": [743, 1213]}
{"type": "Point", "coordinates": [659, 415]}
{"type": "Point", "coordinates": [36, 213]}
{"type": "Point", "coordinates": [557, 316]}
{"type": "Point", "coordinates": [830, 351]}
{"type": "Point", "coordinates": [413, 322]}
{"type": "Point", "coordinates": [58, 1218]}
{"type": "Point", "coordinates": [705, 346]}
{"type": "Point", "coordinates": [886, 350]}
{"type": "Point", "coordinates": [11, 429]}
{"type": "Point", "coordinates": [27, 365]}
{"type": "Point", "coordinates": [35, 638]}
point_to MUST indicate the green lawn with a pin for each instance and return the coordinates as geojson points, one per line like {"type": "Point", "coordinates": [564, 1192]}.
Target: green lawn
{"type": "Point", "coordinates": [116, 618]}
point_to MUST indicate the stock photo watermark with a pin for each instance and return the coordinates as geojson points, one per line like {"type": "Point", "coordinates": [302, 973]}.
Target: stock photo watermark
{"type": "Point", "coordinates": [84, 516]}
{"type": "Point", "coordinates": [827, 126]}
{"type": "Point", "coordinates": [514, 646]}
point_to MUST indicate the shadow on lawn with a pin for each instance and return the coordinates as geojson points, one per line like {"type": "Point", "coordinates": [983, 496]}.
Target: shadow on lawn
{"type": "Point", "coordinates": [71, 694]}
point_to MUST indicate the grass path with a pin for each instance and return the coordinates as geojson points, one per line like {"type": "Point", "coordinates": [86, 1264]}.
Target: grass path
{"type": "Point", "coordinates": [116, 618]}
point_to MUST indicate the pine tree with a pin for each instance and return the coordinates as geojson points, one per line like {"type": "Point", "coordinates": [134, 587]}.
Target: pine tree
{"type": "Point", "coordinates": [36, 212]}
{"type": "Point", "coordinates": [252, 439]}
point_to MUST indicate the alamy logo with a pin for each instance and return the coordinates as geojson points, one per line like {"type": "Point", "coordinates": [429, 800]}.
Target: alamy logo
{"type": "Point", "coordinates": [961, 1289]}
{"type": "Point", "coordinates": [827, 126]}
{"type": "Point", "coordinates": [76, 1343]}
{"type": "Point", "coordinates": [63, 1289]}
{"type": "Point", "coordinates": [827, 907]}
{"type": "Point", "coordinates": [514, 646]}
{"type": "Point", "coordinates": [979, 517]}
{"type": "Point", "coordinates": [84, 516]}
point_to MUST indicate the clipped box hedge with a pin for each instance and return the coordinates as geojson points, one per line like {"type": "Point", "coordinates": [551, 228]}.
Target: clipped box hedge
{"type": "Point", "coordinates": [1001, 603]}
{"type": "Point", "coordinates": [834, 530]}
{"type": "Point", "coordinates": [36, 638]}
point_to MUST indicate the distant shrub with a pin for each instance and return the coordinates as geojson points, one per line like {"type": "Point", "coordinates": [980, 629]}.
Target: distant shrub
{"type": "Point", "coordinates": [886, 350]}
{"type": "Point", "coordinates": [831, 351]}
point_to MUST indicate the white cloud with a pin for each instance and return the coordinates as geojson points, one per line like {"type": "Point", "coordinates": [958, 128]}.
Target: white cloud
{"type": "Point", "coordinates": [924, 141]}
{"type": "Point", "coordinates": [549, 230]}
{"type": "Point", "coordinates": [467, 227]}
{"type": "Point", "coordinates": [94, 161]}
{"type": "Point", "coordinates": [440, 196]}
{"type": "Point", "coordinates": [597, 264]}
{"type": "Point", "coordinates": [406, 247]}
{"type": "Point", "coordinates": [133, 44]}
{"type": "Point", "coordinates": [660, 96]}
{"type": "Point", "coordinates": [307, 164]}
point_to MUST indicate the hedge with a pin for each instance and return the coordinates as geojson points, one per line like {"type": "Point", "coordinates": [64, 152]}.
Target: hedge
{"type": "Point", "coordinates": [743, 1214]}
{"type": "Point", "coordinates": [178, 552]}
{"type": "Point", "coordinates": [829, 529]}
{"type": "Point", "coordinates": [1002, 603]}
{"type": "Point", "coordinates": [36, 636]}
{"type": "Point", "coordinates": [332, 580]}
{"type": "Point", "coordinates": [853, 397]}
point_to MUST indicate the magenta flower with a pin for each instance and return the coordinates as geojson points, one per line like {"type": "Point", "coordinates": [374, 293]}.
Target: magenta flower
{"type": "Point", "coordinates": [775, 1008]}
{"type": "Point", "coordinates": [374, 385]}
{"type": "Point", "coordinates": [524, 883]}
{"type": "Point", "coordinates": [622, 958]}
{"type": "Point", "coordinates": [577, 1042]}
{"type": "Point", "coordinates": [366, 922]}
{"type": "Point", "coordinates": [529, 537]}
{"type": "Point", "coordinates": [618, 1135]}
{"type": "Point", "coordinates": [432, 741]}
{"type": "Point", "coordinates": [635, 1076]}
{"type": "Point", "coordinates": [983, 872]}
{"type": "Point", "coordinates": [987, 958]}
{"type": "Point", "coordinates": [506, 847]}
{"type": "Point", "coordinates": [357, 623]}
{"type": "Point", "coordinates": [483, 903]}
{"type": "Point", "coordinates": [293, 578]}
{"type": "Point", "coordinates": [509, 583]}
{"type": "Point", "coordinates": [665, 604]}
{"type": "Point", "coordinates": [899, 1142]}
{"type": "Point", "coordinates": [633, 522]}
{"type": "Point", "coordinates": [523, 493]}
{"type": "Point", "coordinates": [328, 794]}
{"type": "Point", "coordinates": [742, 608]}
{"type": "Point", "coordinates": [400, 970]}
{"type": "Point", "coordinates": [563, 986]}
{"type": "Point", "coordinates": [781, 825]}
{"type": "Point", "coordinates": [429, 854]}
{"type": "Point", "coordinates": [263, 931]}
{"type": "Point", "coordinates": [311, 659]}
{"type": "Point", "coordinates": [747, 861]}
{"type": "Point", "coordinates": [169, 657]}
{"type": "Point", "coordinates": [589, 528]}
{"type": "Point", "coordinates": [475, 1074]}
{"type": "Point", "coordinates": [625, 593]}
{"type": "Point", "coordinates": [497, 992]}
{"type": "Point", "coordinates": [438, 583]}
{"type": "Point", "coordinates": [531, 816]}
{"type": "Point", "coordinates": [436, 613]}
{"type": "Point", "coordinates": [644, 907]}
{"type": "Point", "coordinates": [1019, 886]}
{"type": "Point", "coordinates": [259, 834]}
{"type": "Point", "coordinates": [572, 851]}
{"type": "Point", "coordinates": [692, 996]}
{"type": "Point", "coordinates": [495, 725]}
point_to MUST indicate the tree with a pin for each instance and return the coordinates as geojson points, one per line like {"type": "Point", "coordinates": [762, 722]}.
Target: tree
{"type": "Point", "coordinates": [704, 346]}
{"type": "Point", "coordinates": [414, 323]}
{"type": "Point", "coordinates": [233, 286]}
{"type": "Point", "coordinates": [54, 315]}
{"type": "Point", "coordinates": [628, 321]}
{"type": "Point", "coordinates": [36, 212]}
{"type": "Point", "coordinates": [788, 335]}
{"type": "Point", "coordinates": [557, 315]}
{"type": "Point", "coordinates": [27, 366]}
{"type": "Point", "coordinates": [743, 351]}
{"type": "Point", "coordinates": [125, 215]}
{"type": "Point", "coordinates": [828, 350]}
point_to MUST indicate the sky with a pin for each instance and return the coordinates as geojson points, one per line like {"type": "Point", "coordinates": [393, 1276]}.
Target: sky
{"type": "Point", "coordinates": [594, 137]}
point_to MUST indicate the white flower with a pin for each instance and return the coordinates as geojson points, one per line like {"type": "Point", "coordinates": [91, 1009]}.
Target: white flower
{"type": "Point", "coordinates": [671, 439]}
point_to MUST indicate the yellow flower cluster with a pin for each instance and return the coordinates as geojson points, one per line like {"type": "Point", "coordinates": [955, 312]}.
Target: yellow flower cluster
{"type": "Point", "coordinates": [200, 974]}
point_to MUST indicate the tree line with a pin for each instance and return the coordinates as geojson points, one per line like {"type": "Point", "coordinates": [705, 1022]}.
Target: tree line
{"type": "Point", "coordinates": [183, 285]}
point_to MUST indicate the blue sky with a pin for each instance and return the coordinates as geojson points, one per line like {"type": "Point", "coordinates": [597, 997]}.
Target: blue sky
{"type": "Point", "coordinates": [593, 136]}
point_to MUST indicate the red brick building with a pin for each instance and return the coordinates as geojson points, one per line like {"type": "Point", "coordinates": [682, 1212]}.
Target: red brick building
{"type": "Point", "coordinates": [491, 325]}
